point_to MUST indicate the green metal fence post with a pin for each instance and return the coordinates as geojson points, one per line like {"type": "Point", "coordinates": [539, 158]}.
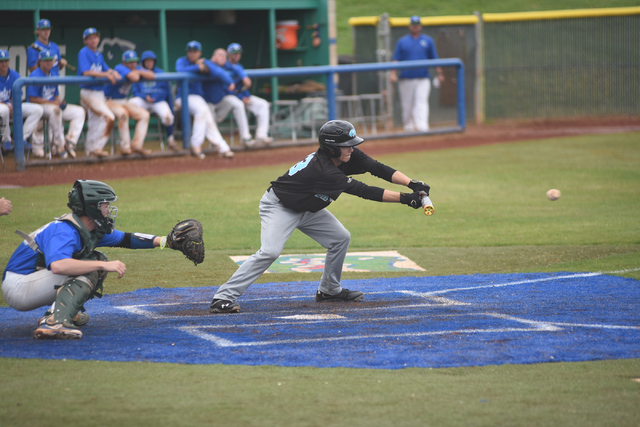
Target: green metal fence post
{"type": "Point", "coordinates": [273, 54]}
{"type": "Point", "coordinates": [164, 50]}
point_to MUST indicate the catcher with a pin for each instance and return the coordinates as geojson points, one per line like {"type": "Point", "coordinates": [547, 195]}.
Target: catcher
{"type": "Point", "coordinates": [58, 264]}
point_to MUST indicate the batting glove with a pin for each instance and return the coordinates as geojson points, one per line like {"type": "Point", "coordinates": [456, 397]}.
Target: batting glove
{"type": "Point", "coordinates": [412, 199]}
{"type": "Point", "coordinates": [419, 186]}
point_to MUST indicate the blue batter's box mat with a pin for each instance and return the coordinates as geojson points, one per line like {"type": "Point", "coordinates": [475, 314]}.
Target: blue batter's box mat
{"type": "Point", "coordinates": [402, 322]}
{"type": "Point", "coordinates": [355, 261]}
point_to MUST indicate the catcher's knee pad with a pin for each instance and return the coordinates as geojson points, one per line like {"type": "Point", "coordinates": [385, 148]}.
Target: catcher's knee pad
{"type": "Point", "coordinates": [100, 276]}
{"type": "Point", "coordinates": [71, 297]}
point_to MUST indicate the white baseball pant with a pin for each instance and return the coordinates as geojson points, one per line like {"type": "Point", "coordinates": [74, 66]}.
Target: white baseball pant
{"type": "Point", "coordinates": [414, 98]}
{"type": "Point", "coordinates": [260, 108]}
{"type": "Point", "coordinates": [5, 113]}
{"type": "Point", "coordinates": [124, 110]}
{"type": "Point", "coordinates": [203, 123]}
{"type": "Point", "coordinates": [232, 103]}
{"type": "Point", "coordinates": [25, 292]}
{"type": "Point", "coordinates": [100, 121]}
{"type": "Point", "coordinates": [74, 114]}
{"type": "Point", "coordinates": [31, 114]}
{"type": "Point", "coordinates": [278, 223]}
{"type": "Point", "coordinates": [160, 109]}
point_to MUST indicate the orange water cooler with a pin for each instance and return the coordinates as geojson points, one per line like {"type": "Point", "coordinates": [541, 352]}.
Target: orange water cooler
{"type": "Point", "coordinates": [287, 35]}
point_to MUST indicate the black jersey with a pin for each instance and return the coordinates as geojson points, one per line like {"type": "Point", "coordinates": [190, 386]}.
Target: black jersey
{"type": "Point", "coordinates": [315, 182]}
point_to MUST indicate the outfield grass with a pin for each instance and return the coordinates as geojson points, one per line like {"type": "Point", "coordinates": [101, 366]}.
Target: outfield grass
{"type": "Point", "coordinates": [491, 217]}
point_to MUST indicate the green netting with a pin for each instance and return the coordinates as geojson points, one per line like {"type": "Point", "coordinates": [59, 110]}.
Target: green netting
{"type": "Point", "coordinates": [562, 67]}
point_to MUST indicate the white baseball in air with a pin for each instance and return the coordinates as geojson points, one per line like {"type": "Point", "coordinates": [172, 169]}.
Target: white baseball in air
{"type": "Point", "coordinates": [553, 194]}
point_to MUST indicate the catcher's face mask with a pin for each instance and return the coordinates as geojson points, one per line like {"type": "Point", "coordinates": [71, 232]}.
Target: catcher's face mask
{"type": "Point", "coordinates": [109, 212]}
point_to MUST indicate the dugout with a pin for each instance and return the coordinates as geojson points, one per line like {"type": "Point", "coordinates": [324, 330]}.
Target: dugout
{"type": "Point", "coordinates": [167, 26]}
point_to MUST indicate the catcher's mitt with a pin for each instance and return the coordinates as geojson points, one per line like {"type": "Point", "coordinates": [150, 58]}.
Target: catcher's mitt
{"type": "Point", "coordinates": [186, 237]}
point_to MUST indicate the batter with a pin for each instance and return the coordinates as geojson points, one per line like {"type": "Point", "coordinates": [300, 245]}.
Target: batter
{"type": "Point", "coordinates": [298, 200]}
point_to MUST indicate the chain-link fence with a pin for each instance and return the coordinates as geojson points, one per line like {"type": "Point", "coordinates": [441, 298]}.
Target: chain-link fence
{"type": "Point", "coordinates": [562, 67]}
{"type": "Point", "coordinates": [521, 65]}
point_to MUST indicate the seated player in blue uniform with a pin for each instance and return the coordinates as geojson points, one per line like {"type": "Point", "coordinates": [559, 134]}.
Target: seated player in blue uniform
{"type": "Point", "coordinates": [58, 263]}
{"type": "Point", "coordinates": [298, 200]}
{"type": "Point", "coordinates": [155, 96]}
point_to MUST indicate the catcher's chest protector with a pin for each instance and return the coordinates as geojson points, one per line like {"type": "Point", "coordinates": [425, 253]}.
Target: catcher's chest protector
{"type": "Point", "coordinates": [89, 239]}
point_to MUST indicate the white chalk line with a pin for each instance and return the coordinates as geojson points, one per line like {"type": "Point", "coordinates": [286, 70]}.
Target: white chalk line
{"type": "Point", "coordinates": [333, 307]}
{"type": "Point", "coordinates": [433, 295]}
{"type": "Point", "coordinates": [537, 326]}
{"type": "Point", "coordinates": [221, 342]}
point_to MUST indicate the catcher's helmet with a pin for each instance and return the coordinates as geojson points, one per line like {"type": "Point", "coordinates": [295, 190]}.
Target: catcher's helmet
{"type": "Point", "coordinates": [335, 134]}
{"type": "Point", "coordinates": [85, 198]}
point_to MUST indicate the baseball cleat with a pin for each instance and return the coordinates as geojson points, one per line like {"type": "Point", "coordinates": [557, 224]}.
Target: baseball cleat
{"type": "Point", "coordinates": [265, 140]}
{"type": "Point", "coordinates": [345, 295]}
{"type": "Point", "coordinates": [71, 149]}
{"type": "Point", "coordinates": [46, 331]}
{"type": "Point", "coordinates": [223, 306]}
{"type": "Point", "coordinates": [38, 154]}
{"type": "Point", "coordinates": [143, 151]}
{"type": "Point", "coordinates": [98, 153]}
{"type": "Point", "coordinates": [81, 319]}
{"type": "Point", "coordinates": [249, 142]}
{"type": "Point", "coordinates": [227, 155]}
{"type": "Point", "coordinates": [172, 144]}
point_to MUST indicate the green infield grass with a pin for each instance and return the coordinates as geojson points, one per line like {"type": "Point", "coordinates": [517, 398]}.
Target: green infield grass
{"type": "Point", "coordinates": [492, 216]}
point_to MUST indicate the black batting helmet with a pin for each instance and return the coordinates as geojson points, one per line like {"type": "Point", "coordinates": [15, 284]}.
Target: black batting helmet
{"type": "Point", "coordinates": [335, 134]}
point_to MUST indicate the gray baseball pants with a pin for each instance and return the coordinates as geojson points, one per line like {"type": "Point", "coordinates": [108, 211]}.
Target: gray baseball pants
{"type": "Point", "coordinates": [278, 223]}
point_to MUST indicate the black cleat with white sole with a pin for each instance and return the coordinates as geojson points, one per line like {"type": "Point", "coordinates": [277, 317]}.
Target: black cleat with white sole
{"type": "Point", "coordinates": [345, 295]}
{"type": "Point", "coordinates": [223, 306]}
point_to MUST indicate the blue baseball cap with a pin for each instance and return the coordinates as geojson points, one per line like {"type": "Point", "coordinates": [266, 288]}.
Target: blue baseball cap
{"type": "Point", "coordinates": [148, 54]}
{"type": "Point", "coordinates": [43, 24]}
{"type": "Point", "coordinates": [88, 32]}
{"type": "Point", "coordinates": [46, 55]}
{"type": "Point", "coordinates": [234, 48]}
{"type": "Point", "coordinates": [415, 20]}
{"type": "Point", "coordinates": [4, 55]}
{"type": "Point", "coordinates": [130, 56]}
{"type": "Point", "coordinates": [194, 45]}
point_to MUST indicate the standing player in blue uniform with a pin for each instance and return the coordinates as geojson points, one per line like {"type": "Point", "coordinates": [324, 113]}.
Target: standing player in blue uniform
{"type": "Point", "coordinates": [298, 200]}
{"type": "Point", "coordinates": [414, 84]}
{"type": "Point", "coordinates": [219, 94]}
{"type": "Point", "coordinates": [43, 32]}
{"type": "Point", "coordinates": [100, 123]}
{"type": "Point", "coordinates": [56, 111]}
{"type": "Point", "coordinates": [31, 113]}
{"type": "Point", "coordinates": [204, 124]}
{"type": "Point", "coordinates": [117, 95]}
{"type": "Point", "coordinates": [258, 106]}
{"type": "Point", "coordinates": [58, 263]}
{"type": "Point", "coordinates": [155, 96]}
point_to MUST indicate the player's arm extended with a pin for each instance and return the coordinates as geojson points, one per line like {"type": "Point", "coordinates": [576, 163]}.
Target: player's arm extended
{"type": "Point", "coordinates": [76, 267]}
{"type": "Point", "coordinates": [138, 241]}
{"type": "Point", "coordinates": [147, 74]}
{"type": "Point", "coordinates": [110, 74]}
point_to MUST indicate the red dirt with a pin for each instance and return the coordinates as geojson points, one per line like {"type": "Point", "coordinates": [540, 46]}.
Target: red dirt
{"type": "Point", "coordinates": [474, 135]}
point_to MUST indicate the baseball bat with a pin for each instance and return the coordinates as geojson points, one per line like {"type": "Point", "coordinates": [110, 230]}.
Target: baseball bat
{"type": "Point", "coordinates": [427, 205]}
{"type": "Point", "coordinates": [71, 67]}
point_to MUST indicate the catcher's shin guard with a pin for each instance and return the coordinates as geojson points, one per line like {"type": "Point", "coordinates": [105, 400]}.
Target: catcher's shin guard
{"type": "Point", "coordinates": [73, 293]}
{"type": "Point", "coordinates": [70, 299]}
